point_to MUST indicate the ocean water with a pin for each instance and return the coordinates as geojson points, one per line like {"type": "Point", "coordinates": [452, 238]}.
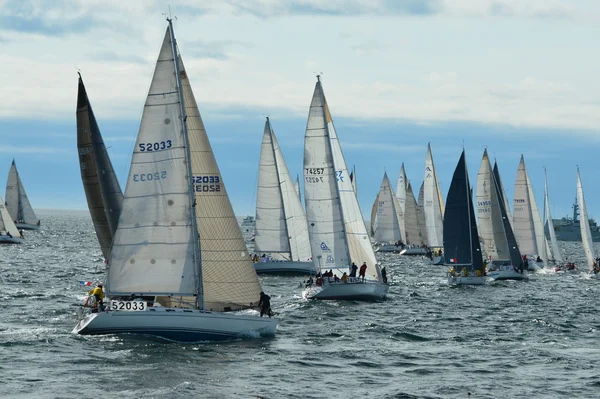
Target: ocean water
{"type": "Point", "coordinates": [427, 340]}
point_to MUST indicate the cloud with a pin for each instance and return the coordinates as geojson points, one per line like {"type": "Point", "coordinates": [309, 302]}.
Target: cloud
{"type": "Point", "coordinates": [119, 57]}
{"type": "Point", "coordinates": [217, 50]}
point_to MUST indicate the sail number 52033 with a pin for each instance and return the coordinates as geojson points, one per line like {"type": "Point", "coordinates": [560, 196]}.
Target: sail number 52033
{"type": "Point", "coordinates": [127, 305]}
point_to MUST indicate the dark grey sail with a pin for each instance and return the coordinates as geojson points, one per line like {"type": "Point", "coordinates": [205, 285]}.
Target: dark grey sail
{"type": "Point", "coordinates": [513, 248]}
{"type": "Point", "coordinates": [461, 239]}
{"type": "Point", "coordinates": [102, 189]}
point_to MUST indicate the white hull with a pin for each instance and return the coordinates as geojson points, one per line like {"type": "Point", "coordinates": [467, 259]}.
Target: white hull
{"type": "Point", "coordinates": [388, 248]}
{"type": "Point", "coordinates": [176, 324]}
{"type": "Point", "coordinates": [368, 291]}
{"type": "Point", "coordinates": [507, 273]}
{"type": "Point", "coordinates": [468, 280]}
{"type": "Point", "coordinates": [10, 240]}
{"type": "Point", "coordinates": [414, 251]}
{"type": "Point", "coordinates": [27, 226]}
{"type": "Point", "coordinates": [285, 267]}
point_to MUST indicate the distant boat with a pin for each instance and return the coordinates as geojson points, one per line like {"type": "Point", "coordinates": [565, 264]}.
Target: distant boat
{"type": "Point", "coordinates": [586, 235]}
{"type": "Point", "coordinates": [569, 229]}
{"type": "Point", "coordinates": [461, 237]}
{"type": "Point", "coordinates": [102, 189]}
{"type": "Point", "coordinates": [248, 221]}
{"type": "Point", "coordinates": [9, 234]}
{"type": "Point", "coordinates": [178, 246]}
{"type": "Point", "coordinates": [281, 232]}
{"type": "Point", "coordinates": [527, 224]}
{"type": "Point", "coordinates": [500, 245]}
{"type": "Point", "coordinates": [387, 219]}
{"type": "Point", "coordinates": [336, 228]}
{"type": "Point", "coordinates": [554, 254]}
{"type": "Point", "coordinates": [433, 204]}
{"type": "Point", "coordinates": [17, 203]}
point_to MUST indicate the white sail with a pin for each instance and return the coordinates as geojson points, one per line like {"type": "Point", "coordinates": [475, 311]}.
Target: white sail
{"type": "Point", "coordinates": [228, 276]}
{"type": "Point", "coordinates": [388, 214]}
{"type": "Point", "coordinates": [413, 232]}
{"type": "Point", "coordinates": [6, 222]}
{"type": "Point", "coordinates": [522, 214]}
{"type": "Point", "coordinates": [555, 250]}
{"type": "Point", "coordinates": [433, 204]}
{"type": "Point", "coordinates": [17, 203]}
{"type": "Point", "coordinates": [538, 226]}
{"type": "Point", "coordinates": [153, 247]}
{"type": "Point", "coordinates": [421, 216]}
{"type": "Point", "coordinates": [491, 227]}
{"type": "Point", "coordinates": [280, 219]}
{"type": "Point", "coordinates": [586, 234]}
{"type": "Point", "coordinates": [337, 230]}
{"type": "Point", "coordinates": [401, 196]}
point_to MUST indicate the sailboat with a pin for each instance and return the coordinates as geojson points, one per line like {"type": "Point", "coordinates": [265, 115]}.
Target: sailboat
{"type": "Point", "coordinates": [554, 253]}
{"type": "Point", "coordinates": [433, 204]}
{"type": "Point", "coordinates": [17, 203]}
{"type": "Point", "coordinates": [461, 237]}
{"type": "Point", "coordinates": [499, 241]}
{"type": "Point", "coordinates": [281, 233]}
{"type": "Point", "coordinates": [9, 234]}
{"type": "Point", "coordinates": [527, 224]}
{"type": "Point", "coordinates": [102, 189]}
{"type": "Point", "coordinates": [178, 245]}
{"type": "Point", "coordinates": [337, 231]}
{"type": "Point", "coordinates": [414, 231]}
{"type": "Point", "coordinates": [586, 234]}
{"type": "Point", "coordinates": [388, 217]}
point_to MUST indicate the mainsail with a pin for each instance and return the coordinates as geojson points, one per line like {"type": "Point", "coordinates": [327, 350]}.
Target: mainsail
{"type": "Point", "coordinates": [586, 234]}
{"type": "Point", "coordinates": [281, 227]}
{"type": "Point", "coordinates": [102, 189]}
{"type": "Point", "coordinates": [461, 238]}
{"type": "Point", "coordinates": [411, 222]}
{"type": "Point", "coordinates": [433, 204]}
{"type": "Point", "coordinates": [555, 251]}
{"type": "Point", "coordinates": [337, 230]}
{"type": "Point", "coordinates": [388, 214]}
{"type": "Point", "coordinates": [17, 203]}
{"type": "Point", "coordinates": [522, 213]}
{"type": "Point", "coordinates": [421, 215]}
{"type": "Point", "coordinates": [6, 222]}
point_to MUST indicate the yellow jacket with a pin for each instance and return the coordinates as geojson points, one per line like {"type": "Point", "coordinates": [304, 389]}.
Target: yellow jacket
{"type": "Point", "coordinates": [97, 291]}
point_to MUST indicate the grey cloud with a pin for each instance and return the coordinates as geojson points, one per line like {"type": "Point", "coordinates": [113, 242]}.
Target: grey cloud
{"type": "Point", "coordinates": [212, 49]}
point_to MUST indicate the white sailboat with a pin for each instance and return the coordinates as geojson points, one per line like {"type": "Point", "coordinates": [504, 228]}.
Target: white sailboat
{"type": "Point", "coordinates": [175, 202]}
{"type": "Point", "coordinates": [414, 232]}
{"type": "Point", "coordinates": [281, 233]}
{"type": "Point", "coordinates": [433, 204]}
{"type": "Point", "coordinates": [9, 234]}
{"type": "Point", "coordinates": [586, 234]}
{"type": "Point", "coordinates": [337, 231]}
{"type": "Point", "coordinates": [17, 203]}
{"type": "Point", "coordinates": [494, 227]}
{"type": "Point", "coordinates": [554, 253]}
{"type": "Point", "coordinates": [461, 237]}
{"type": "Point", "coordinates": [388, 217]}
{"type": "Point", "coordinates": [527, 223]}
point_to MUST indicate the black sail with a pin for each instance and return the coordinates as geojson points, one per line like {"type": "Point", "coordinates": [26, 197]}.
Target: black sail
{"type": "Point", "coordinates": [102, 189]}
{"type": "Point", "coordinates": [513, 248]}
{"type": "Point", "coordinates": [461, 239]}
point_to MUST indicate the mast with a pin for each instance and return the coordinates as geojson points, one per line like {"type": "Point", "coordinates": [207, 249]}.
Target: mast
{"type": "Point", "coordinates": [337, 188]}
{"type": "Point", "coordinates": [285, 219]}
{"type": "Point", "coordinates": [197, 259]}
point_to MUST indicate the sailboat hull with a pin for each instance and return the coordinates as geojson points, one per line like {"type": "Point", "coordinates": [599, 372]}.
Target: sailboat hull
{"type": "Point", "coordinates": [10, 240]}
{"type": "Point", "coordinates": [414, 251]}
{"type": "Point", "coordinates": [284, 267]}
{"type": "Point", "coordinates": [507, 273]}
{"type": "Point", "coordinates": [176, 324]}
{"type": "Point", "coordinates": [389, 248]}
{"type": "Point", "coordinates": [468, 280]}
{"type": "Point", "coordinates": [27, 226]}
{"type": "Point", "coordinates": [368, 291]}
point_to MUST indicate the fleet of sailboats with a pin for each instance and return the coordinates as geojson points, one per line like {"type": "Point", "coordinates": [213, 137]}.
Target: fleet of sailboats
{"type": "Point", "coordinates": [387, 219]}
{"type": "Point", "coordinates": [281, 231]}
{"type": "Point", "coordinates": [178, 245]}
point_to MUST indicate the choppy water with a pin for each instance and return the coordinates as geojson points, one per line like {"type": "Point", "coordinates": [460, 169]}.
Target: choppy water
{"type": "Point", "coordinates": [504, 340]}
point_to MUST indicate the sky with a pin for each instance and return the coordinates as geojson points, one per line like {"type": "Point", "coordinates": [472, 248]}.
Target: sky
{"type": "Point", "coordinates": [513, 76]}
